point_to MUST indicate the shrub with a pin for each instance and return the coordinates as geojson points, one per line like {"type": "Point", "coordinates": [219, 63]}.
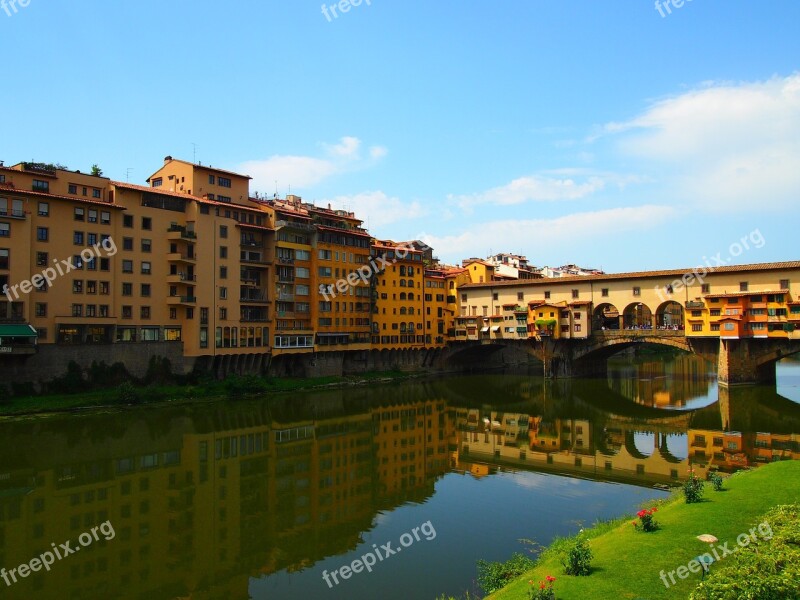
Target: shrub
{"type": "Point", "coordinates": [127, 394]}
{"type": "Point", "coordinates": [646, 521]}
{"type": "Point", "coordinates": [69, 383]}
{"type": "Point", "coordinates": [693, 489]}
{"type": "Point", "coordinates": [767, 568]}
{"type": "Point", "coordinates": [238, 386]}
{"type": "Point", "coordinates": [578, 560]}
{"type": "Point", "coordinates": [544, 591]}
{"type": "Point", "coordinates": [494, 575]}
{"type": "Point", "coordinates": [716, 481]}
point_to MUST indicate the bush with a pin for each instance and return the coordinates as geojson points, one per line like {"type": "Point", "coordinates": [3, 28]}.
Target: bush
{"type": "Point", "coordinates": [693, 489]}
{"type": "Point", "coordinates": [128, 394]}
{"type": "Point", "coordinates": [543, 591]}
{"type": "Point", "coordinates": [71, 382]}
{"type": "Point", "coordinates": [716, 481]}
{"type": "Point", "coordinates": [494, 575]}
{"type": "Point", "coordinates": [579, 558]}
{"type": "Point", "coordinates": [646, 521]}
{"type": "Point", "coordinates": [767, 568]}
{"type": "Point", "coordinates": [238, 386]}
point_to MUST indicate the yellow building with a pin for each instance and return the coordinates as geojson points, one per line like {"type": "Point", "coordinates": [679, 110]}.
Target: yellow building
{"type": "Point", "coordinates": [397, 317]}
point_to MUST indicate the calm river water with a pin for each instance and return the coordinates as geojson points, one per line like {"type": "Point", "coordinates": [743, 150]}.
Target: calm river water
{"type": "Point", "coordinates": [268, 499]}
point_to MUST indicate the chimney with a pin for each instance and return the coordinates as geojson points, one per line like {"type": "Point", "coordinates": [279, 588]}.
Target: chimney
{"type": "Point", "coordinates": [167, 159]}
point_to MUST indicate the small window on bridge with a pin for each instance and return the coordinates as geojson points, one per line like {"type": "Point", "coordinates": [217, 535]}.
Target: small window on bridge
{"type": "Point", "coordinates": [637, 291]}
{"type": "Point", "coordinates": [604, 293]}
{"type": "Point", "coordinates": [743, 286]}
{"type": "Point", "coordinates": [705, 288]}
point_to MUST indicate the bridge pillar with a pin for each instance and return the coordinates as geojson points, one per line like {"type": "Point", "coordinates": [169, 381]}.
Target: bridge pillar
{"type": "Point", "coordinates": [738, 363]}
{"type": "Point", "coordinates": [561, 365]}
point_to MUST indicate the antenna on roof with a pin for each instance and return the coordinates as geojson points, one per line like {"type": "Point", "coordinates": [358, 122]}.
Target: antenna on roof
{"type": "Point", "coordinates": [128, 174]}
{"type": "Point", "coordinates": [194, 153]}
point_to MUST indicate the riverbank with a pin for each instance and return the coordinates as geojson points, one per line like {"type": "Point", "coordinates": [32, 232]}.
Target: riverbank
{"type": "Point", "coordinates": [629, 564]}
{"type": "Point", "coordinates": [128, 395]}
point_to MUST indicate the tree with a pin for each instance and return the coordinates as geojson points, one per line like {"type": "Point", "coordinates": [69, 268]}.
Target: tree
{"type": "Point", "coordinates": [97, 171]}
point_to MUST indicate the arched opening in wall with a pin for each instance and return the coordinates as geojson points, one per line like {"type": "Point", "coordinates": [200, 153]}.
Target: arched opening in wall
{"type": "Point", "coordinates": [637, 315]}
{"type": "Point", "coordinates": [669, 316]}
{"type": "Point", "coordinates": [606, 316]}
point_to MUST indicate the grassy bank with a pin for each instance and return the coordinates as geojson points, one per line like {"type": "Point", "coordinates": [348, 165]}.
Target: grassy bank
{"type": "Point", "coordinates": [627, 564]}
{"type": "Point", "coordinates": [172, 394]}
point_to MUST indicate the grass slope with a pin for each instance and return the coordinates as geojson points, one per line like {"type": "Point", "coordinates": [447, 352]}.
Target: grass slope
{"type": "Point", "coordinates": [627, 564]}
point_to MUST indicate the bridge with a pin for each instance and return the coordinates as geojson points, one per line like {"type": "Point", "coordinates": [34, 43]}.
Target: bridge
{"type": "Point", "coordinates": [745, 318]}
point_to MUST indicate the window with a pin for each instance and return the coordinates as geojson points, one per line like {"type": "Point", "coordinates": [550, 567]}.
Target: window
{"type": "Point", "coordinates": [211, 179]}
{"type": "Point", "coordinates": [105, 288]}
{"type": "Point", "coordinates": [325, 272]}
{"type": "Point", "coordinates": [41, 309]}
{"type": "Point", "coordinates": [223, 272]}
{"type": "Point", "coordinates": [326, 255]}
{"type": "Point", "coordinates": [92, 217]}
{"type": "Point", "coordinates": [784, 284]}
{"type": "Point", "coordinates": [127, 313]}
{"type": "Point", "coordinates": [157, 182]}
{"type": "Point", "coordinates": [127, 266]}
{"type": "Point", "coordinates": [145, 290]}
{"type": "Point", "coordinates": [72, 188]}
{"type": "Point", "coordinates": [637, 291]}
{"type": "Point", "coordinates": [79, 214]}
{"type": "Point", "coordinates": [302, 255]}
{"type": "Point", "coordinates": [604, 293]}
{"type": "Point", "coordinates": [91, 287]}
{"type": "Point", "coordinates": [147, 245]}
{"type": "Point", "coordinates": [697, 327]}
{"type": "Point", "coordinates": [77, 286]}
{"type": "Point", "coordinates": [41, 259]}
{"type": "Point", "coordinates": [127, 221]}
{"type": "Point", "coordinates": [5, 230]}
{"type": "Point", "coordinates": [77, 261]}
{"type": "Point", "coordinates": [520, 296]}
{"type": "Point", "coordinates": [95, 193]}
{"type": "Point", "coordinates": [127, 243]}
{"type": "Point", "coordinates": [223, 293]}
{"type": "Point", "coordinates": [574, 294]}
{"type": "Point", "coordinates": [147, 223]}
{"type": "Point", "coordinates": [145, 312]}
{"type": "Point", "coordinates": [224, 182]}
{"type": "Point", "coordinates": [41, 186]}
{"type": "Point", "coordinates": [44, 209]}
{"type": "Point", "coordinates": [728, 327]}
{"type": "Point", "coordinates": [223, 252]}
{"type": "Point", "coordinates": [77, 238]}
{"type": "Point", "coordinates": [743, 286]}
{"type": "Point", "coordinates": [705, 288]}
{"type": "Point", "coordinates": [105, 217]}
{"type": "Point", "coordinates": [4, 258]}
{"type": "Point", "coordinates": [223, 231]}
{"type": "Point", "coordinates": [146, 267]}
{"type": "Point", "coordinates": [127, 289]}
{"type": "Point", "coordinates": [547, 295]}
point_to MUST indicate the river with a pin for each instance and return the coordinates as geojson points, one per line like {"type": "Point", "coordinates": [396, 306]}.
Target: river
{"type": "Point", "coordinates": [270, 498]}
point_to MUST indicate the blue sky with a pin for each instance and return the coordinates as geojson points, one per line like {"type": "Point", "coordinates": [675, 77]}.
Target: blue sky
{"type": "Point", "coordinates": [600, 133]}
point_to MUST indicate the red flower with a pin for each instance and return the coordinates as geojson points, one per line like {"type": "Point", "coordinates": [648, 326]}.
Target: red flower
{"type": "Point", "coordinates": [542, 586]}
{"type": "Point", "coordinates": [550, 579]}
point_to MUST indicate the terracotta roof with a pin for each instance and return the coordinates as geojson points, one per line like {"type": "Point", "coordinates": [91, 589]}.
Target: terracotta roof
{"type": "Point", "coordinates": [82, 200]}
{"type": "Point", "coordinates": [249, 226]}
{"type": "Point", "coordinates": [197, 166]}
{"type": "Point", "coordinates": [346, 231]}
{"type": "Point", "coordinates": [580, 303]}
{"type": "Point", "coordinates": [740, 294]}
{"type": "Point", "coordinates": [677, 273]}
{"type": "Point", "coordinates": [188, 197]}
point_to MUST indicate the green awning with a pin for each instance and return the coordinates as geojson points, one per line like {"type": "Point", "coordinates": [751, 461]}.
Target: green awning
{"type": "Point", "coordinates": [19, 331]}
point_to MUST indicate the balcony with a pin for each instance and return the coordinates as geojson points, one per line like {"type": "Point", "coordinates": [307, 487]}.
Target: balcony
{"type": "Point", "coordinates": [285, 278]}
{"type": "Point", "coordinates": [695, 304]}
{"type": "Point", "coordinates": [181, 278]}
{"type": "Point", "coordinates": [286, 297]}
{"type": "Point", "coordinates": [182, 300]}
{"type": "Point", "coordinates": [253, 297]}
{"type": "Point", "coordinates": [177, 232]}
{"type": "Point", "coordinates": [181, 257]}
{"type": "Point", "coordinates": [285, 260]}
{"type": "Point", "coordinates": [251, 244]}
{"type": "Point", "coordinates": [12, 213]}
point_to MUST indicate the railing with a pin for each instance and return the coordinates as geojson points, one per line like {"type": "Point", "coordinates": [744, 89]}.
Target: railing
{"type": "Point", "coordinates": [623, 333]}
{"type": "Point", "coordinates": [185, 233]}
{"type": "Point", "coordinates": [285, 260]}
{"type": "Point", "coordinates": [16, 214]}
{"type": "Point", "coordinates": [253, 298]}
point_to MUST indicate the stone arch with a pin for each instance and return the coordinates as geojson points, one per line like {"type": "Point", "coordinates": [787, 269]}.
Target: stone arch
{"type": "Point", "coordinates": [606, 316]}
{"type": "Point", "coordinates": [637, 315]}
{"type": "Point", "coordinates": [670, 315]}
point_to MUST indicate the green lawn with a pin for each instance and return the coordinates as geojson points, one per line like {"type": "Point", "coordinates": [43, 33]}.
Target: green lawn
{"type": "Point", "coordinates": [627, 564]}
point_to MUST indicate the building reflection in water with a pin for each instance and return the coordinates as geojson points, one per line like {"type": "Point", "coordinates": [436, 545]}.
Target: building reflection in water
{"type": "Point", "coordinates": [204, 498]}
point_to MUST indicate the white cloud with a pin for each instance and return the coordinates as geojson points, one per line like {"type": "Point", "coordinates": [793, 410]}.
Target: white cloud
{"type": "Point", "coordinates": [302, 172]}
{"type": "Point", "coordinates": [723, 144]}
{"type": "Point", "coordinates": [376, 208]}
{"type": "Point", "coordinates": [549, 186]}
{"type": "Point", "coordinates": [537, 237]}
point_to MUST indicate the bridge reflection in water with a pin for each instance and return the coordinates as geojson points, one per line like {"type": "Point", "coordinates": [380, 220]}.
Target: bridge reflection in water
{"type": "Point", "coordinates": [205, 498]}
